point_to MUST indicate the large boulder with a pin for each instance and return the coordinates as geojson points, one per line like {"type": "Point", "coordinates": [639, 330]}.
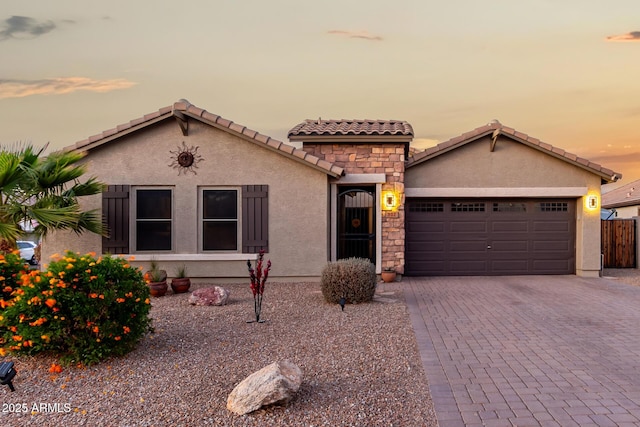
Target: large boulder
{"type": "Point", "coordinates": [273, 384]}
{"type": "Point", "coordinates": [215, 295]}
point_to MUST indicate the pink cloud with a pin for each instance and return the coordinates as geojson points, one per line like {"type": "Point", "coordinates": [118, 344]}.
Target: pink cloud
{"type": "Point", "coordinates": [356, 35]}
{"type": "Point", "coordinates": [11, 88]}
{"type": "Point", "coordinates": [633, 36]}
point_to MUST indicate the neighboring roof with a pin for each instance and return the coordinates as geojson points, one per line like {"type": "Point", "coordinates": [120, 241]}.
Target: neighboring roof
{"type": "Point", "coordinates": [328, 130]}
{"type": "Point", "coordinates": [495, 129]}
{"type": "Point", "coordinates": [182, 111]}
{"type": "Point", "coordinates": [626, 195]}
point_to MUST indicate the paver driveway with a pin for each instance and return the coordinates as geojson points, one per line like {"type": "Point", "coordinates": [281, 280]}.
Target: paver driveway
{"type": "Point", "coordinates": [528, 351]}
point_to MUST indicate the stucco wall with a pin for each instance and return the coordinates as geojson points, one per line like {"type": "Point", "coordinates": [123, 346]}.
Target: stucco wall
{"type": "Point", "coordinates": [298, 195]}
{"type": "Point", "coordinates": [514, 165]}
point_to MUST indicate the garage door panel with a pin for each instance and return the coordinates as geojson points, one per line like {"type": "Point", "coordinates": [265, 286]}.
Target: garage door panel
{"type": "Point", "coordinates": [468, 227]}
{"type": "Point", "coordinates": [509, 267]}
{"type": "Point", "coordinates": [468, 246]}
{"type": "Point", "coordinates": [426, 227]}
{"type": "Point", "coordinates": [551, 246]}
{"type": "Point", "coordinates": [483, 237]}
{"type": "Point", "coordinates": [510, 246]}
{"type": "Point", "coordinates": [468, 267]}
{"type": "Point", "coordinates": [551, 226]}
{"type": "Point", "coordinates": [505, 226]}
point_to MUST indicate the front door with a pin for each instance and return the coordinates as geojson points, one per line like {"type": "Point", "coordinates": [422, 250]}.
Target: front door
{"type": "Point", "coordinates": [357, 222]}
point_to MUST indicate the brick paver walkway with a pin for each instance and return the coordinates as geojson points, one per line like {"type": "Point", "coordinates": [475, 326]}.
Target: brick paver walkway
{"type": "Point", "coordinates": [527, 351]}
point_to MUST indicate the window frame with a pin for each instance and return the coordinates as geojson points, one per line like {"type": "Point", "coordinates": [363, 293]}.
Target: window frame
{"type": "Point", "coordinates": [133, 221]}
{"type": "Point", "coordinates": [202, 220]}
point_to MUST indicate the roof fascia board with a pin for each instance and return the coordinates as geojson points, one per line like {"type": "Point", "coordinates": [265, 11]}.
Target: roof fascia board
{"type": "Point", "coordinates": [118, 135]}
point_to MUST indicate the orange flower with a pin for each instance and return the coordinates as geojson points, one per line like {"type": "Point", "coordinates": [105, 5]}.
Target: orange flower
{"type": "Point", "coordinates": [3, 352]}
{"type": "Point", "coordinates": [101, 296]}
{"type": "Point", "coordinates": [17, 338]}
{"type": "Point", "coordinates": [129, 295]}
{"type": "Point", "coordinates": [132, 258]}
{"type": "Point", "coordinates": [55, 368]}
{"type": "Point", "coordinates": [88, 270]}
{"type": "Point", "coordinates": [69, 266]}
{"type": "Point", "coordinates": [3, 303]}
{"type": "Point", "coordinates": [93, 295]}
{"type": "Point", "coordinates": [92, 254]}
{"type": "Point", "coordinates": [38, 322]}
{"type": "Point", "coordinates": [7, 289]}
{"type": "Point", "coordinates": [120, 300]}
{"type": "Point", "coordinates": [95, 329]}
{"type": "Point", "coordinates": [93, 277]}
{"type": "Point", "coordinates": [118, 338]}
{"type": "Point", "coordinates": [126, 329]}
{"type": "Point", "coordinates": [50, 302]}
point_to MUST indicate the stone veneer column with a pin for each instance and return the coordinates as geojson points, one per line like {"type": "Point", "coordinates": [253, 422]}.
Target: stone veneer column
{"type": "Point", "coordinates": [387, 158]}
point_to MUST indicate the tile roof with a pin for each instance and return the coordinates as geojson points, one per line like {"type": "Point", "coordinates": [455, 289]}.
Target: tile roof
{"type": "Point", "coordinates": [358, 128]}
{"type": "Point", "coordinates": [496, 128]}
{"type": "Point", "coordinates": [626, 195]}
{"type": "Point", "coordinates": [183, 108]}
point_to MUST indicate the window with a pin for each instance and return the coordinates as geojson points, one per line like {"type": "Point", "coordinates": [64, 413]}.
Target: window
{"type": "Point", "coordinates": [509, 207]}
{"type": "Point", "coordinates": [153, 221]}
{"type": "Point", "coordinates": [553, 206]}
{"type": "Point", "coordinates": [467, 207]}
{"type": "Point", "coordinates": [426, 207]}
{"type": "Point", "coordinates": [219, 220]}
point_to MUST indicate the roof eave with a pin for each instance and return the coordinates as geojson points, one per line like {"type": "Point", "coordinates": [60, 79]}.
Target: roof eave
{"type": "Point", "coordinates": [362, 138]}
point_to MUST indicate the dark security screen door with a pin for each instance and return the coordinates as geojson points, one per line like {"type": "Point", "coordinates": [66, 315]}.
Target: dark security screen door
{"type": "Point", "coordinates": [357, 223]}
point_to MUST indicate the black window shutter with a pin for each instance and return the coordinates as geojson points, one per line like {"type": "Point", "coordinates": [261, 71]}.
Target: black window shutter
{"type": "Point", "coordinates": [115, 210]}
{"type": "Point", "coordinates": [255, 218]}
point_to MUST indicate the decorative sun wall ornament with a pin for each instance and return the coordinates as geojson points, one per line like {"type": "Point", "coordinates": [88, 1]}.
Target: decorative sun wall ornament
{"type": "Point", "coordinates": [185, 159]}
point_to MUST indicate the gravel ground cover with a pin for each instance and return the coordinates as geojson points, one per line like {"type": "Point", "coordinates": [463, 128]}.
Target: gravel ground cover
{"type": "Point", "coordinates": [361, 367]}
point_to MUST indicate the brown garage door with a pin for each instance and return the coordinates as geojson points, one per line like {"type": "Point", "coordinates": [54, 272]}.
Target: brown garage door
{"type": "Point", "coordinates": [490, 237]}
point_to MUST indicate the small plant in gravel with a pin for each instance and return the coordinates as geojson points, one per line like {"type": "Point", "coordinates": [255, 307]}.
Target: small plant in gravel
{"type": "Point", "coordinates": [258, 278]}
{"type": "Point", "coordinates": [83, 309]}
{"type": "Point", "coordinates": [352, 280]}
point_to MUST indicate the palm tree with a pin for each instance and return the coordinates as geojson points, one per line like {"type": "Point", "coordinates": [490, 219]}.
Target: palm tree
{"type": "Point", "coordinates": [44, 190]}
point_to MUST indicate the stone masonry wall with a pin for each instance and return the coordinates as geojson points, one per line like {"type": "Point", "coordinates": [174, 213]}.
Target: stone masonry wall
{"type": "Point", "coordinates": [387, 158]}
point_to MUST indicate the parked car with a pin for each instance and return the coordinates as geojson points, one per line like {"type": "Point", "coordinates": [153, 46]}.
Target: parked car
{"type": "Point", "coordinates": [27, 251]}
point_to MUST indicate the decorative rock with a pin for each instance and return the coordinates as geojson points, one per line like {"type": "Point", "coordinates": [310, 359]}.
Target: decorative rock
{"type": "Point", "coordinates": [209, 296]}
{"type": "Point", "coordinates": [276, 383]}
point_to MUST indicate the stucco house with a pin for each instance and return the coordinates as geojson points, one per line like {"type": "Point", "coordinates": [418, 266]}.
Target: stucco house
{"type": "Point", "coordinates": [625, 200]}
{"type": "Point", "coordinates": [186, 186]}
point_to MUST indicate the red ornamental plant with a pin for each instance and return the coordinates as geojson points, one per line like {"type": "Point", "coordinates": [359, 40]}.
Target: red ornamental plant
{"type": "Point", "coordinates": [258, 277]}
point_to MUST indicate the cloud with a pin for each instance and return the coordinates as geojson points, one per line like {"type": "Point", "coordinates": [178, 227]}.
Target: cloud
{"type": "Point", "coordinates": [617, 158]}
{"type": "Point", "coordinates": [633, 36]}
{"type": "Point", "coordinates": [21, 27]}
{"type": "Point", "coordinates": [58, 86]}
{"type": "Point", "coordinates": [356, 35]}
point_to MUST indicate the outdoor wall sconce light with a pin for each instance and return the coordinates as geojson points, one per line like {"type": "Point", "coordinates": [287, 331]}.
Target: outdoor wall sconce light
{"type": "Point", "coordinates": [592, 201]}
{"type": "Point", "coordinates": [389, 200]}
{"type": "Point", "coordinates": [7, 372]}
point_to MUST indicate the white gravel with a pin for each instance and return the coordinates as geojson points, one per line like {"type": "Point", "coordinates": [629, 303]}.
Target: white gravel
{"type": "Point", "coordinates": [361, 367]}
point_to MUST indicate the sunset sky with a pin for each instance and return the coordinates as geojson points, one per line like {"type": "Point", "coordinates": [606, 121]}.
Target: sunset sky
{"type": "Point", "coordinates": [564, 71]}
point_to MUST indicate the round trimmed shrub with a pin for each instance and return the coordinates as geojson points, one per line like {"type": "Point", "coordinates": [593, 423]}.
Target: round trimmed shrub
{"type": "Point", "coordinates": [353, 279]}
{"type": "Point", "coordinates": [82, 309]}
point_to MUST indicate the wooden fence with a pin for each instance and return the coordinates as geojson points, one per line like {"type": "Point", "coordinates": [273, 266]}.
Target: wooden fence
{"type": "Point", "coordinates": [619, 243]}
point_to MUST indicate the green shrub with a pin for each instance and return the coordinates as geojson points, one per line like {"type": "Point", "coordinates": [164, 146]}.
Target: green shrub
{"type": "Point", "coordinates": [82, 309]}
{"type": "Point", "coordinates": [353, 279]}
{"type": "Point", "coordinates": [12, 267]}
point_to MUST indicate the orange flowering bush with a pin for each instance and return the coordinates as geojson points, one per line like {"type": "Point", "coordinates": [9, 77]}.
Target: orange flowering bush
{"type": "Point", "coordinates": [82, 309]}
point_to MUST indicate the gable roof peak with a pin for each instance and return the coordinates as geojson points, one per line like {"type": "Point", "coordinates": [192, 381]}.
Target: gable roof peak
{"type": "Point", "coordinates": [182, 110]}
{"type": "Point", "coordinates": [494, 129]}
